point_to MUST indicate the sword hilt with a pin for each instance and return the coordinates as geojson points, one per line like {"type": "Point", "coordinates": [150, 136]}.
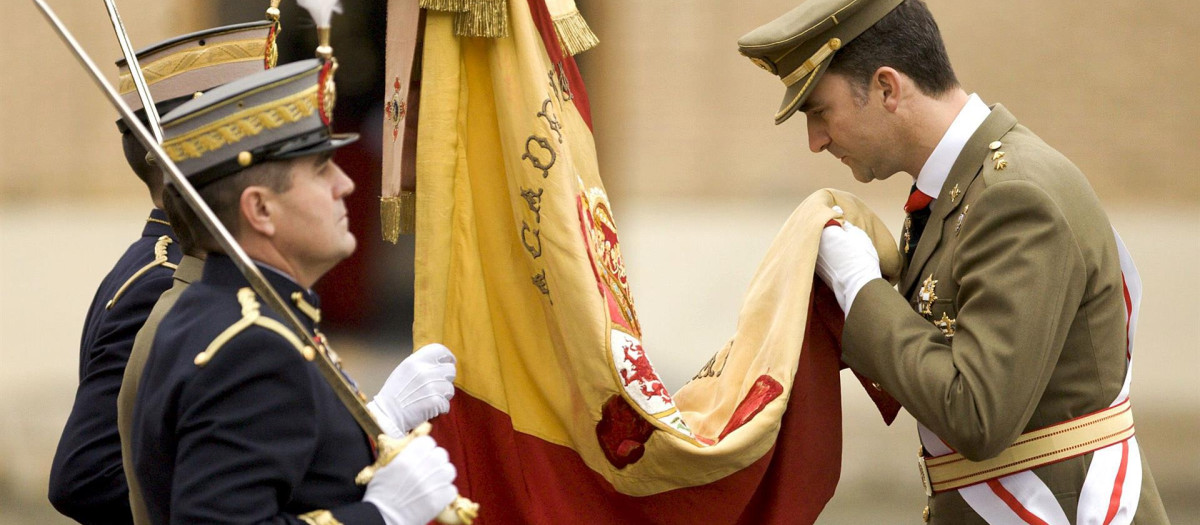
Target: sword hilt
{"type": "Point", "coordinates": [460, 511]}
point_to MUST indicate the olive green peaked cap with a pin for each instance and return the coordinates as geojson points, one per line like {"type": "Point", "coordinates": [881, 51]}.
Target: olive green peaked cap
{"type": "Point", "coordinates": [799, 45]}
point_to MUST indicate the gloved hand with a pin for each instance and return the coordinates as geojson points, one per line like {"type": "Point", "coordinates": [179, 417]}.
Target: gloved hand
{"type": "Point", "coordinates": [419, 389]}
{"type": "Point", "coordinates": [415, 486]}
{"type": "Point", "coordinates": [846, 261]}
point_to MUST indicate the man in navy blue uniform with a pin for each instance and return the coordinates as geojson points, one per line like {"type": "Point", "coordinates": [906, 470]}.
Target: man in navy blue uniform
{"type": "Point", "coordinates": [87, 482]}
{"type": "Point", "coordinates": [233, 422]}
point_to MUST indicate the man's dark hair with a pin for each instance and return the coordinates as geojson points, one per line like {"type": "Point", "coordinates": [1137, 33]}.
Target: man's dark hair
{"type": "Point", "coordinates": [135, 155]}
{"type": "Point", "coordinates": [906, 39]}
{"type": "Point", "coordinates": [223, 196]}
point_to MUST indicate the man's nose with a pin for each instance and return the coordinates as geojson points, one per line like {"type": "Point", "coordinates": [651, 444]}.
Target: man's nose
{"type": "Point", "coordinates": [345, 185]}
{"type": "Point", "coordinates": [818, 140]}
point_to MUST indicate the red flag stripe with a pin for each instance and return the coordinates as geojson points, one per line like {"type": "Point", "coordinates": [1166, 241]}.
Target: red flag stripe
{"type": "Point", "coordinates": [545, 27]}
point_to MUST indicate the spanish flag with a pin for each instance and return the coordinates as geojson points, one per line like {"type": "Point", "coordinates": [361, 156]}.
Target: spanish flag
{"type": "Point", "coordinates": [559, 416]}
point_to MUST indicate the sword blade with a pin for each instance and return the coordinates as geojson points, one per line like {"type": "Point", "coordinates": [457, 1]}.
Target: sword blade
{"type": "Point", "coordinates": [346, 393]}
{"type": "Point", "coordinates": [135, 71]}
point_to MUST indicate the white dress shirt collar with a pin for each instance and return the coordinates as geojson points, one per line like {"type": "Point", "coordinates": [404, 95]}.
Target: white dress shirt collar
{"type": "Point", "coordinates": [937, 167]}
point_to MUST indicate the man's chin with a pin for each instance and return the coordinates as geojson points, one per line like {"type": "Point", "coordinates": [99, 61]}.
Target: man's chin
{"type": "Point", "coordinates": [863, 176]}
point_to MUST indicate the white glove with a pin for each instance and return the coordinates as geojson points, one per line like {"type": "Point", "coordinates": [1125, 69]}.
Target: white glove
{"type": "Point", "coordinates": [419, 389]}
{"type": "Point", "coordinates": [415, 486]}
{"type": "Point", "coordinates": [847, 261]}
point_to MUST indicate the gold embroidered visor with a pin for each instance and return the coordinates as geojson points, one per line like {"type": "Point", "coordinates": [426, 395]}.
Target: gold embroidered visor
{"type": "Point", "coordinates": [798, 46]}
{"type": "Point", "coordinates": [276, 114]}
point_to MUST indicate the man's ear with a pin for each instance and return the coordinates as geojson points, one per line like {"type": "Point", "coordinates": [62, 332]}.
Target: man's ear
{"type": "Point", "coordinates": [888, 82]}
{"type": "Point", "coordinates": [255, 209]}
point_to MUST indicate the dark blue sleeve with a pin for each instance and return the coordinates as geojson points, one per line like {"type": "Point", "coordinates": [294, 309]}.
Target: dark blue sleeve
{"type": "Point", "coordinates": [247, 432]}
{"type": "Point", "coordinates": [87, 481]}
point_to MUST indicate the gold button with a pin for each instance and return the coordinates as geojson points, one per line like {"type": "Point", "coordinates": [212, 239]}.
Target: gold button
{"type": "Point", "coordinates": [995, 145]}
{"type": "Point", "coordinates": [245, 158]}
{"type": "Point", "coordinates": [925, 514]}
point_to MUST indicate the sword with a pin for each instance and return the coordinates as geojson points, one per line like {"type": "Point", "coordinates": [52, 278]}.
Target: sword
{"type": "Point", "coordinates": [461, 510]}
{"type": "Point", "coordinates": [135, 71]}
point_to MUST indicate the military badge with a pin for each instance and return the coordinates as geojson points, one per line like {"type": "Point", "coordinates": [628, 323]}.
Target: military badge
{"type": "Point", "coordinates": [954, 193]}
{"type": "Point", "coordinates": [946, 325]}
{"type": "Point", "coordinates": [907, 233]}
{"type": "Point", "coordinates": [961, 216]}
{"type": "Point", "coordinates": [926, 297]}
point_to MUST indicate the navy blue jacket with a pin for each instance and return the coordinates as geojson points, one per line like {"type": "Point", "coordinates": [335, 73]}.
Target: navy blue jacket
{"type": "Point", "coordinates": [254, 434]}
{"type": "Point", "coordinates": [87, 482]}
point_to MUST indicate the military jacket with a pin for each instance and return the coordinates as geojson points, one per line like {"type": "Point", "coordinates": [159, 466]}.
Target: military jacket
{"type": "Point", "coordinates": [249, 432]}
{"type": "Point", "coordinates": [87, 482]}
{"type": "Point", "coordinates": [1010, 316]}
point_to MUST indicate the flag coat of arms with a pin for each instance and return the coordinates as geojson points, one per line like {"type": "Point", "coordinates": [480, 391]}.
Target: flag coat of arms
{"type": "Point", "coordinates": [559, 414]}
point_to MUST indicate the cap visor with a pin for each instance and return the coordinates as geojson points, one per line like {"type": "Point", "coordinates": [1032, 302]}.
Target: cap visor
{"type": "Point", "coordinates": [335, 141]}
{"type": "Point", "coordinates": [797, 93]}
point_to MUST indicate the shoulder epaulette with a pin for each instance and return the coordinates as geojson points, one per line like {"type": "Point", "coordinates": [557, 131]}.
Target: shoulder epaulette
{"type": "Point", "coordinates": [252, 316]}
{"type": "Point", "coordinates": [160, 259]}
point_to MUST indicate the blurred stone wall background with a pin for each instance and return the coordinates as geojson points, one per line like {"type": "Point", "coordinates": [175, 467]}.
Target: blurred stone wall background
{"type": "Point", "coordinates": [700, 179]}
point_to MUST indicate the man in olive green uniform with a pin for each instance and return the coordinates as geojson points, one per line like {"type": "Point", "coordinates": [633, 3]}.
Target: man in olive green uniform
{"type": "Point", "coordinates": [1008, 340]}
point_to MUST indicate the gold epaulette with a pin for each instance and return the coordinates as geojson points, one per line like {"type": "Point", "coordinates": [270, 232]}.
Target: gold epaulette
{"type": "Point", "coordinates": [319, 517]}
{"type": "Point", "coordinates": [252, 316]}
{"type": "Point", "coordinates": [160, 259]}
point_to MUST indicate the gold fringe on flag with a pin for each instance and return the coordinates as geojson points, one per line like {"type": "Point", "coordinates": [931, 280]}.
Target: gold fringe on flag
{"type": "Point", "coordinates": [454, 6]}
{"type": "Point", "coordinates": [483, 18]}
{"type": "Point", "coordinates": [476, 18]}
{"type": "Point", "coordinates": [574, 33]}
{"type": "Point", "coordinates": [398, 215]}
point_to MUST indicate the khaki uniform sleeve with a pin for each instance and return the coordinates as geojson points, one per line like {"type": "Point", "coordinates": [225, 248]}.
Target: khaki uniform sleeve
{"type": "Point", "coordinates": [1018, 275]}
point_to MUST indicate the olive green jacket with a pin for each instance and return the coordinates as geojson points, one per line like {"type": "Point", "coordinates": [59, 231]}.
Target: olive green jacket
{"type": "Point", "coordinates": [1023, 325]}
{"type": "Point", "coordinates": [189, 270]}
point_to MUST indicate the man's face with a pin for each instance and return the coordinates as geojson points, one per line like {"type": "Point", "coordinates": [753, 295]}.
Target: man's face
{"type": "Point", "coordinates": [857, 132]}
{"type": "Point", "coordinates": [311, 225]}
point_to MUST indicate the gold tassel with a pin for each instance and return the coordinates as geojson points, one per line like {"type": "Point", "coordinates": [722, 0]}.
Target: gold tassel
{"type": "Point", "coordinates": [484, 18]}
{"type": "Point", "coordinates": [454, 6]}
{"type": "Point", "coordinates": [399, 215]}
{"type": "Point", "coordinates": [574, 33]}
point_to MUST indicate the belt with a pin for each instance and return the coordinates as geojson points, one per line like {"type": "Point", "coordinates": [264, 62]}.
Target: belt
{"type": "Point", "coordinates": [1031, 450]}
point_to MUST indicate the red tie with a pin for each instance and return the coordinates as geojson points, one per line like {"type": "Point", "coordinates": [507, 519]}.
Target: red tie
{"type": "Point", "coordinates": [917, 200]}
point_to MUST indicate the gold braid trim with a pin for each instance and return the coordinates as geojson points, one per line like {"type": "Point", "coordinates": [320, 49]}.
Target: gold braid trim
{"type": "Point", "coordinates": [399, 215]}
{"type": "Point", "coordinates": [319, 517]}
{"type": "Point", "coordinates": [197, 58]}
{"type": "Point", "coordinates": [574, 33]}
{"type": "Point", "coordinates": [246, 123]}
{"type": "Point", "coordinates": [160, 259]}
{"type": "Point", "coordinates": [252, 316]}
{"type": "Point", "coordinates": [311, 311]}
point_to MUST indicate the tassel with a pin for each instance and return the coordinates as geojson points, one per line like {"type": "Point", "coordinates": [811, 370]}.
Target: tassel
{"type": "Point", "coordinates": [399, 215]}
{"type": "Point", "coordinates": [454, 6]}
{"type": "Point", "coordinates": [574, 33]}
{"type": "Point", "coordinates": [484, 18]}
